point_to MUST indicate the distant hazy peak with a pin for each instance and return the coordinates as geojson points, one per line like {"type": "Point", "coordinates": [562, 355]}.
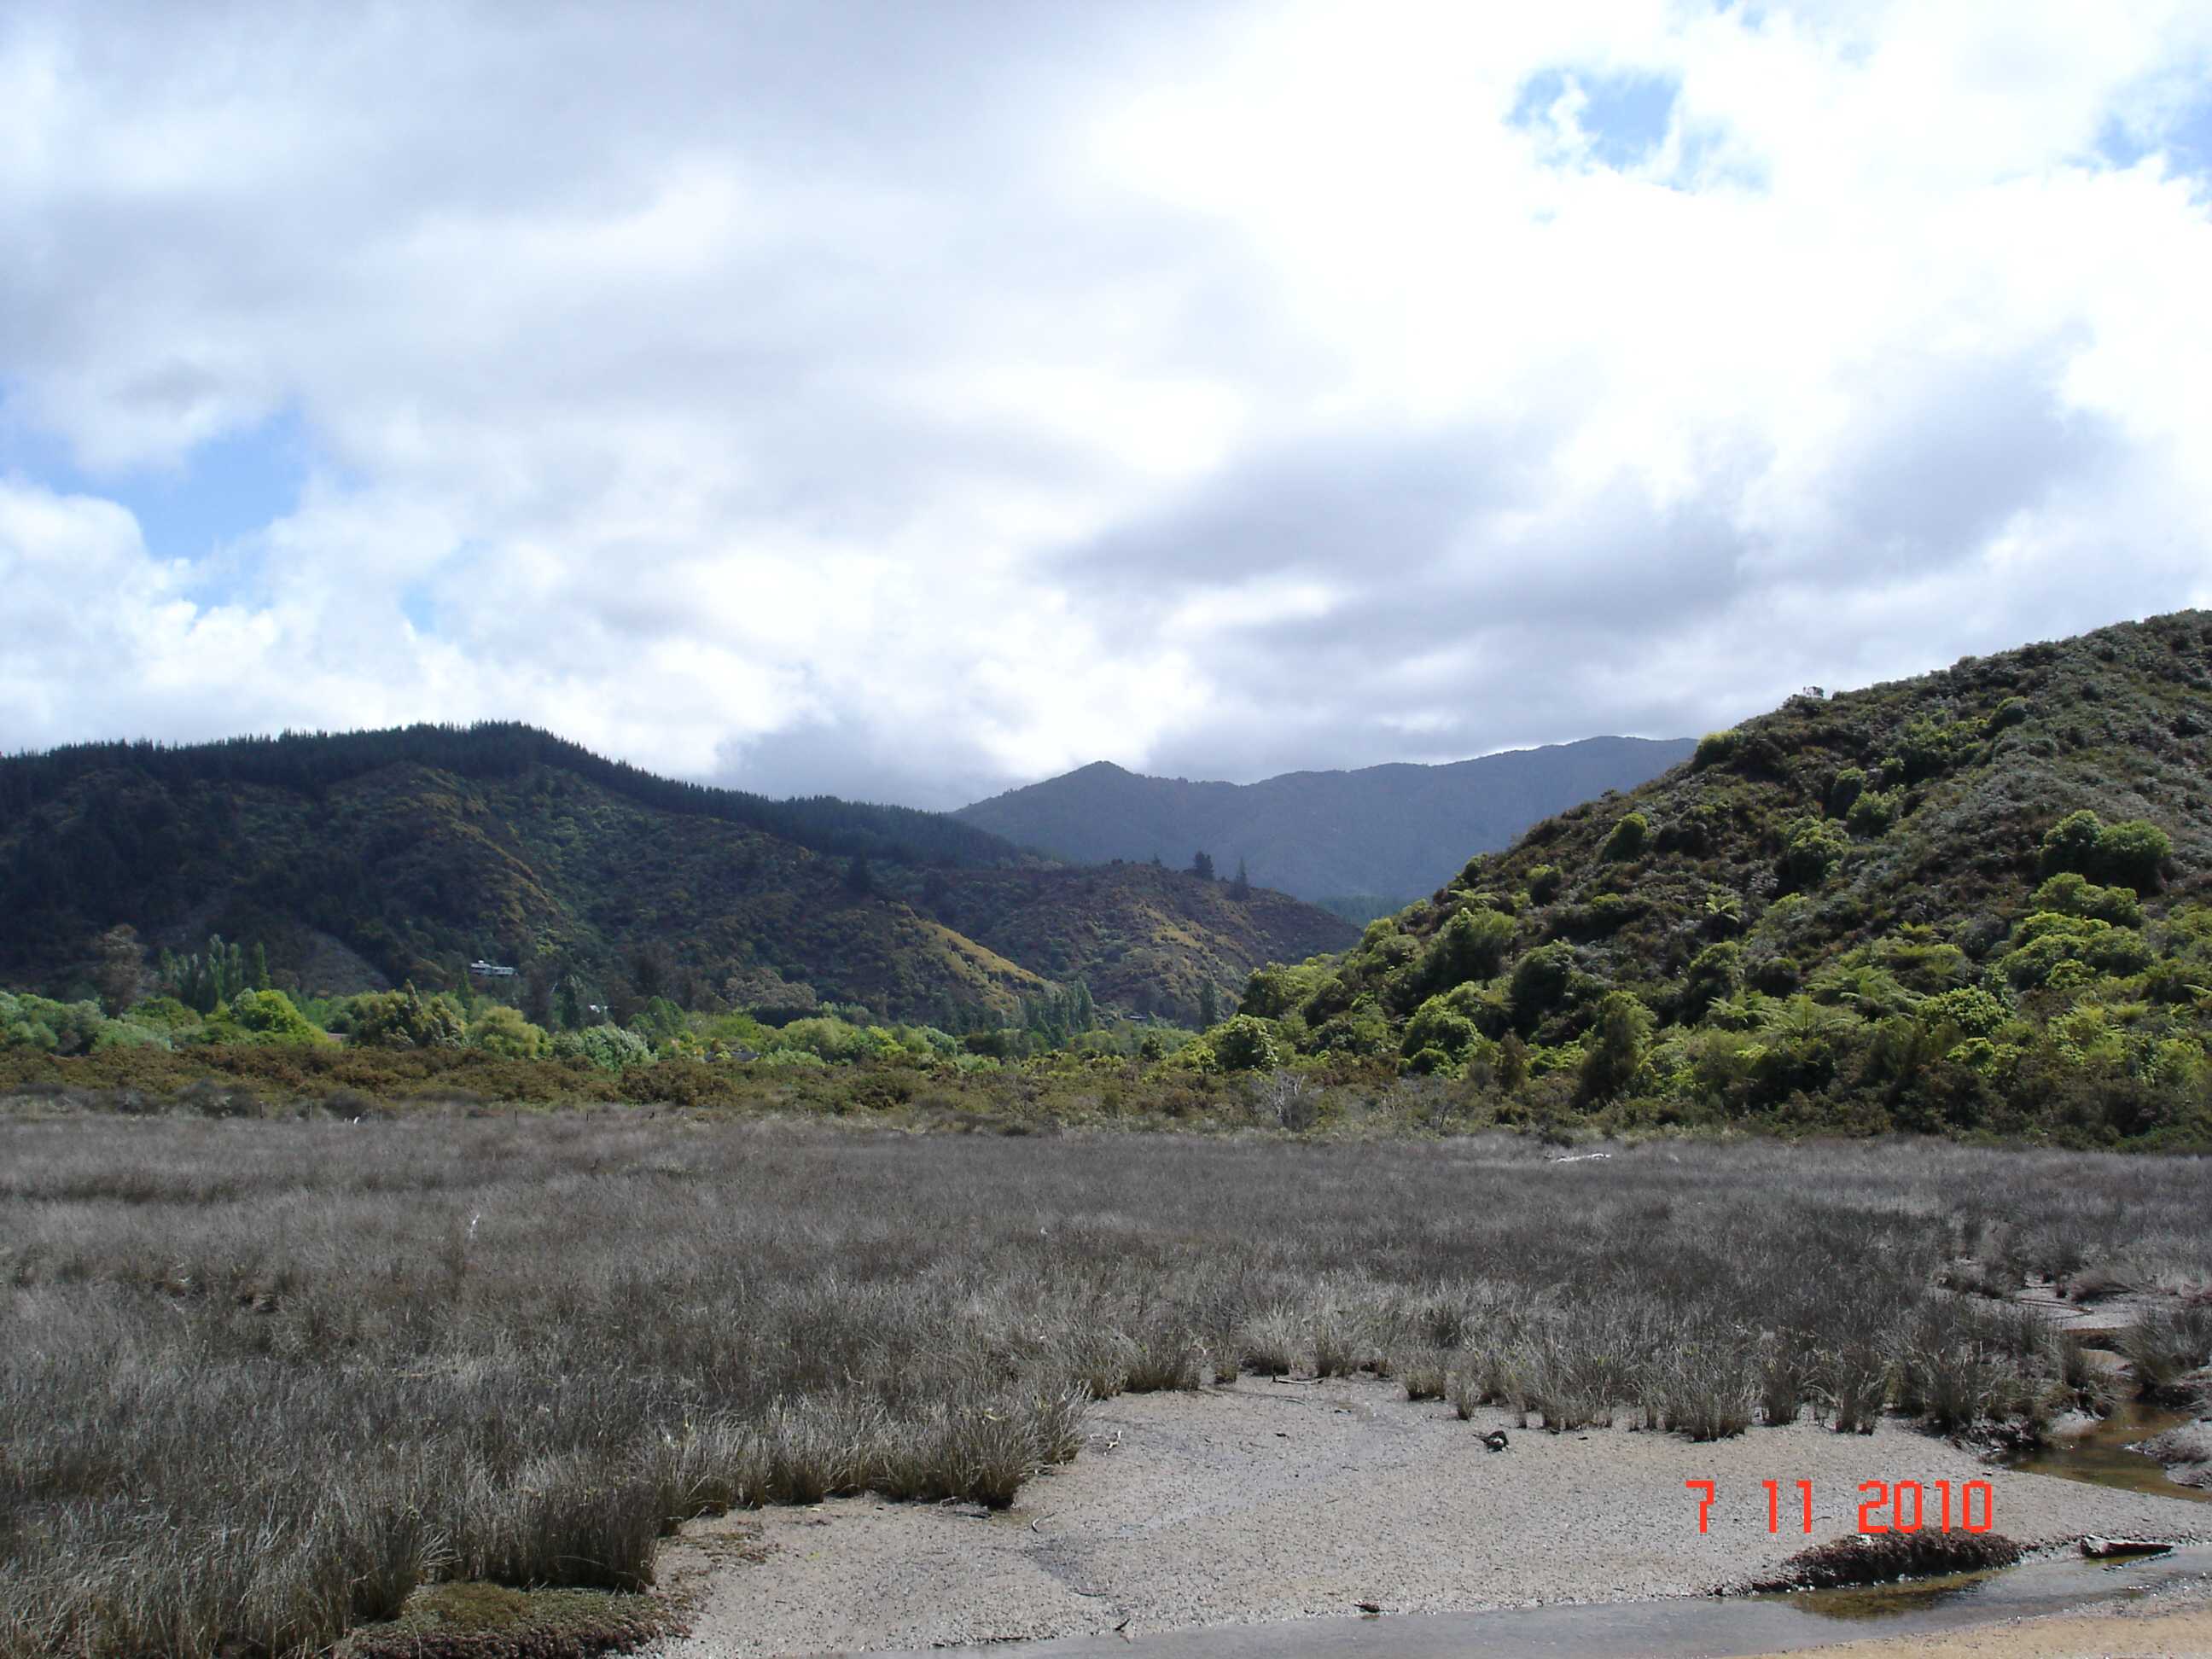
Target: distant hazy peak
{"type": "Point", "coordinates": [1395, 829]}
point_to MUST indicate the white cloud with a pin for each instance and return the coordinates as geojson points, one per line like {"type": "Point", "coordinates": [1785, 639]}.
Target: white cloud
{"type": "Point", "coordinates": [903, 401]}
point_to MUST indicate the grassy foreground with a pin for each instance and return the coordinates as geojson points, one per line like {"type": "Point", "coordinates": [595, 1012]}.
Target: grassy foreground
{"type": "Point", "coordinates": [258, 1380]}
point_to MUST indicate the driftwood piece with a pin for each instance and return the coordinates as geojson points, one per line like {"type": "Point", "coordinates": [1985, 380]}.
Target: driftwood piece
{"type": "Point", "coordinates": [2123, 1549]}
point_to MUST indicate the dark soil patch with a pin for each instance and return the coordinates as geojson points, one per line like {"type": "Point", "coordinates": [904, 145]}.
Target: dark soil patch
{"type": "Point", "coordinates": [1860, 1559]}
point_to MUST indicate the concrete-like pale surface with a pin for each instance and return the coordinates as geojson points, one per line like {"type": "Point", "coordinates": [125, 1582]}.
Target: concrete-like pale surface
{"type": "Point", "coordinates": [1267, 1502]}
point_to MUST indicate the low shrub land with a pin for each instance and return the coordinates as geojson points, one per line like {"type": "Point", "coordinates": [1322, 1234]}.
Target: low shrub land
{"type": "Point", "coordinates": [260, 1380]}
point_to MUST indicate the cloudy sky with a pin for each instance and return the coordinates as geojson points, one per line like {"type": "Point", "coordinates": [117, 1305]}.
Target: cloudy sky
{"type": "Point", "coordinates": [911, 399]}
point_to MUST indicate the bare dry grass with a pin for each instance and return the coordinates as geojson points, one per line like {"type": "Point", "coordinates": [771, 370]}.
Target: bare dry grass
{"type": "Point", "coordinates": [259, 1381]}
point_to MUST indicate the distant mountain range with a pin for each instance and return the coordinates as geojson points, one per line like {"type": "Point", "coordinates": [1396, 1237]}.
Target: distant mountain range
{"type": "Point", "coordinates": [358, 859]}
{"type": "Point", "coordinates": [1360, 842]}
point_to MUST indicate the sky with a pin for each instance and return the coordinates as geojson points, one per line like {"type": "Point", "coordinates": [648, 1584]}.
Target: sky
{"type": "Point", "coordinates": [909, 401]}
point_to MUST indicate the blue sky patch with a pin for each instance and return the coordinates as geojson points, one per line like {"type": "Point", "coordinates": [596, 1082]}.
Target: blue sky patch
{"type": "Point", "coordinates": [1625, 116]}
{"type": "Point", "coordinates": [2186, 139]}
{"type": "Point", "coordinates": [419, 608]}
{"type": "Point", "coordinates": [225, 489]}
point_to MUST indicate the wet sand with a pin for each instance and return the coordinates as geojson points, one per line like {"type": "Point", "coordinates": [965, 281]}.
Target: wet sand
{"type": "Point", "coordinates": [1267, 1502]}
{"type": "Point", "coordinates": [2107, 1633]}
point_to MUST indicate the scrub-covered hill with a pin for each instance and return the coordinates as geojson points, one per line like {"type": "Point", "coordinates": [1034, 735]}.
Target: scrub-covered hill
{"type": "Point", "coordinates": [1975, 899]}
{"type": "Point", "coordinates": [371, 858]}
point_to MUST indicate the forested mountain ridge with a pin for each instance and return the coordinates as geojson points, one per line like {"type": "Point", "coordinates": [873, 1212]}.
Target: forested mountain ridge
{"type": "Point", "coordinates": [1395, 830]}
{"type": "Point", "coordinates": [386, 856]}
{"type": "Point", "coordinates": [1976, 898]}
{"type": "Point", "coordinates": [314, 762]}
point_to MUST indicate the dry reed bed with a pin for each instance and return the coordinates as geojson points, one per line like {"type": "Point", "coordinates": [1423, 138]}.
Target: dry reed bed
{"type": "Point", "coordinates": [259, 1380]}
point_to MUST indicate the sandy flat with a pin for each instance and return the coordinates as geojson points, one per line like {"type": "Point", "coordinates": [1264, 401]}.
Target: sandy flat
{"type": "Point", "coordinates": [2183, 1633]}
{"type": "Point", "coordinates": [1266, 1501]}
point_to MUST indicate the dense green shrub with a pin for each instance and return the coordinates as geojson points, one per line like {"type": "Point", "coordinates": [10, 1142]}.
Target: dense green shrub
{"type": "Point", "coordinates": [1539, 982]}
{"type": "Point", "coordinates": [1845, 790]}
{"type": "Point", "coordinates": [1871, 816]}
{"type": "Point", "coordinates": [406, 1019]}
{"type": "Point", "coordinates": [1812, 849]}
{"type": "Point", "coordinates": [2132, 854]}
{"type": "Point", "coordinates": [260, 1017]}
{"type": "Point", "coordinates": [1972, 1011]}
{"type": "Point", "coordinates": [1930, 747]}
{"type": "Point", "coordinates": [2068, 844]}
{"type": "Point", "coordinates": [1629, 838]}
{"type": "Point", "coordinates": [1715, 974]}
{"type": "Point", "coordinates": [1613, 1052]}
{"type": "Point", "coordinates": [2070, 893]}
{"type": "Point", "coordinates": [1716, 749]}
{"type": "Point", "coordinates": [500, 1030]}
{"type": "Point", "coordinates": [1472, 945]}
{"type": "Point", "coordinates": [1359, 1030]}
{"type": "Point", "coordinates": [2050, 949]}
{"type": "Point", "coordinates": [1245, 1044]}
{"type": "Point", "coordinates": [1437, 1024]}
{"type": "Point", "coordinates": [57, 1028]}
{"type": "Point", "coordinates": [1775, 976]}
{"type": "Point", "coordinates": [610, 1047]}
{"type": "Point", "coordinates": [1272, 992]}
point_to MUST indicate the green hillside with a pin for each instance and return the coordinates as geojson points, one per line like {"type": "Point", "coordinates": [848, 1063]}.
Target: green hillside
{"type": "Point", "coordinates": [1145, 940]}
{"type": "Point", "coordinates": [1396, 829]}
{"type": "Point", "coordinates": [375, 857]}
{"type": "Point", "coordinates": [1977, 899]}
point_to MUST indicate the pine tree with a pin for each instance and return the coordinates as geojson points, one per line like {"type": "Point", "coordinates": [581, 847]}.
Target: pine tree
{"type": "Point", "coordinates": [1209, 1005]}
{"type": "Point", "coordinates": [1201, 865]}
{"type": "Point", "coordinates": [1240, 889]}
{"type": "Point", "coordinates": [260, 966]}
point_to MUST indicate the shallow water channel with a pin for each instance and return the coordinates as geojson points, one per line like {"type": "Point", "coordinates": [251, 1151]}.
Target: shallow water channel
{"type": "Point", "coordinates": [1680, 1628]}
{"type": "Point", "coordinates": [2101, 1456]}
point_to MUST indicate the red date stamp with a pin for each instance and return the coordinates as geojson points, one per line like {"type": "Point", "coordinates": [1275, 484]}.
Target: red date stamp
{"type": "Point", "coordinates": [1884, 1506]}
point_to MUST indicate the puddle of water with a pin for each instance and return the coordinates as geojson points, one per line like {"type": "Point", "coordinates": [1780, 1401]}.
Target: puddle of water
{"type": "Point", "coordinates": [1858, 1601]}
{"type": "Point", "coordinates": [2101, 1456]}
{"type": "Point", "coordinates": [1685, 1627]}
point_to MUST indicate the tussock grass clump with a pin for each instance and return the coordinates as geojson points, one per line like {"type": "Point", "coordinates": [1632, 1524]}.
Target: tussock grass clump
{"type": "Point", "coordinates": [1425, 1373]}
{"type": "Point", "coordinates": [1959, 1365]}
{"type": "Point", "coordinates": [1880, 1558]}
{"type": "Point", "coordinates": [1164, 1356]}
{"type": "Point", "coordinates": [1786, 1366]}
{"type": "Point", "coordinates": [2099, 1283]}
{"type": "Point", "coordinates": [1340, 1348]}
{"type": "Point", "coordinates": [463, 1620]}
{"type": "Point", "coordinates": [2083, 1383]}
{"type": "Point", "coordinates": [1709, 1394]}
{"type": "Point", "coordinates": [1273, 1341]}
{"type": "Point", "coordinates": [1854, 1380]}
{"type": "Point", "coordinates": [580, 1520]}
{"type": "Point", "coordinates": [2165, 1344]}
{"type": "Point", "coordinates": [1503, 1382]}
